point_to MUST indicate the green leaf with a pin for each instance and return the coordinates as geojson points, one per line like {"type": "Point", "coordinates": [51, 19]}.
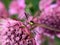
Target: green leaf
{"type": "Point", "coordinates": [57, 41]}
{"type": "Point", "coordinates": [6, 3]}
{"type": "Point", "coordinates": [35, 4]}
{"type": "Point", "coordinates": [14, 16]}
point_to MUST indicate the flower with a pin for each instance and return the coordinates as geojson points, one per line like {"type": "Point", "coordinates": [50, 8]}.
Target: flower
{"type": "Point", "coordinates": [44, 4]}
{"type": "Point", "coordinates": [50, 17]}
{"type": "Point", "coordinates": [3, 11]}
{"type": "Point", "coordinates": [17, 7]}
{"type": "Point", "coordinates": [13, 32]}
{"type": "Point", "coordinates": [38, 35]}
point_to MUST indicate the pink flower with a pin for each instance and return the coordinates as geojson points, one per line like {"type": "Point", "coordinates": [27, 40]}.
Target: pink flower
{"type": "Point", "coordinates": [38, 35]}
{"type": "Point", "coordinates": [14, 33]}
{"type": "Point", "coordinates": [50, 17]}
{"type": "Point", "coordinates": [44, 4]}
{"type": "Point", "coordinates": [58, 2]}
{"type": "Point", "coordinates": [3, 11]}
{"type": "Point", "coordinates": [38, 39]}
{"type": "Point", "coordinates": [17, 7]}
{"type": "Point", "coordinates": [13, 8]}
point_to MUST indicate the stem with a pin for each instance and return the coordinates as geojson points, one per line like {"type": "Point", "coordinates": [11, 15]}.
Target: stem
{"type": "Point", "coordinates": [44, 26]}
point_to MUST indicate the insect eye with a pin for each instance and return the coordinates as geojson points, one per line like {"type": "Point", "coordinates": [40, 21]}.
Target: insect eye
{"type": "Point", "coordinates": [31, 23]}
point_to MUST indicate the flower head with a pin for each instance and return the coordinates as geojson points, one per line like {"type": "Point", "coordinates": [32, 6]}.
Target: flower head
{"type": "Point", "coordinates": [50, 17]}
{"type": "Point", "coordinates": [14, 33]}
{"type": "Point", "coordinates": [17, 7]}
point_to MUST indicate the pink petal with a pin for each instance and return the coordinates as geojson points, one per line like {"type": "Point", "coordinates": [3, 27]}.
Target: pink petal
{"type": "Point", "coordinates": [13, 8]}
{"type": "Point", "coordinates": [21, 3]}
{"type": "Point", "coordinates": [58, 35]}
{"type": "Point", "coordinates": [17, 7]}
{"type": "Point", "coordinates": [44, 3]}
{"type": "Point", "coordinates": [3, 11]}
{"type": "Point", "coordinates": [21, 15]}
{"type": "Point", "coordinates": [58, 2]}
{"type": "Point", "coordinates": [12, 11]}
{"type": "Point", "coordinates": [38, 39]}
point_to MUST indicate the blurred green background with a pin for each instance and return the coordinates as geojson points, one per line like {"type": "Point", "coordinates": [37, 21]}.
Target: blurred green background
{"type": "Point", "coordinates": [31, 5]}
